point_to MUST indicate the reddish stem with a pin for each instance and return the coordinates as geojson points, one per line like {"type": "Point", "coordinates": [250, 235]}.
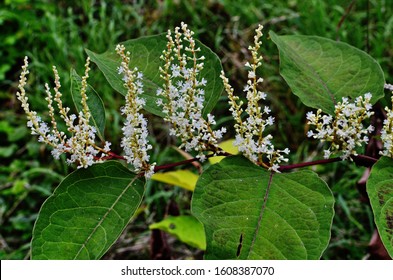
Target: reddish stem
{"type": "Point", "coordinates": [309, 163]}
{"type": "Point", "coordinates": [360, 160]}
{"type": "Point", "coordinates": [111, 155]}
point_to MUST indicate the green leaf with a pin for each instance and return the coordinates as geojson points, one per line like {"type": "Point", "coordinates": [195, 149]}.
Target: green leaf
{"type": "Point", "coordinates": [145, 55]}
{"type": "Point", "coordinates": [380, 192]}
{"type": "Point", "coordinates": [186, 228]}
{"type": "Point", "coordinates": [181, 178]}
{"type": "Point", "coordinates": [87, 212]}
{"type": "Point", "coordinates": [250, 213]}
{"type": "Point", "coordinates": [94, 102]}
{"type": "Point", "coordinates": [321, 71]}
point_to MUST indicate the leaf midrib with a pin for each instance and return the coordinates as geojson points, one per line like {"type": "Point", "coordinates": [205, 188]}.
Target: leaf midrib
{"type": "Point", "coordinates": [104, 217]}
{"type": "Point", "coordinates": [263, 207]}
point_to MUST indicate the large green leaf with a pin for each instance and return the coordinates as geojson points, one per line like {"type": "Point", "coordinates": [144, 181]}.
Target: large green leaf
{"type": "Point", "coordinates": [87, 212]}
{"type": "Point", "coordinates": [145, 55]}
{"type": "Point", "coordinates": [94, 102]}
{"type": "Point", "coordinates": [186, 228]}
{"type": "Point", "coordinates": [321, 71]}
{"type": "Point", "coordinates": [250, 213]}
{"type": "Point", "coordinates": [380, 192]}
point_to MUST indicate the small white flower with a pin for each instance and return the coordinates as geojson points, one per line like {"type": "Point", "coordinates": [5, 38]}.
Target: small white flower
{"type": "Point", "coordinates": [326, 154]}
{"type": "Point", "coordinates": [262, 95]}
{"type": "Point", "coordinates": [72, 117]}
{"type": "Point", "coordinates": [274, 168]}
{"type": "Point", "coordinates": [310, 116]}
{"type": "Point", "coordinates": [107, 146]}
{"type": "Point", "coordinates": [210, 119]}
{"type": "Point", "coordinates": [150, 171]}
{"type": "Point", "coordinates": [270, 120]}
{"type": "Point", "coordinates": [159, 102]}
{"type": "Point", "coordinates": [120, 70]}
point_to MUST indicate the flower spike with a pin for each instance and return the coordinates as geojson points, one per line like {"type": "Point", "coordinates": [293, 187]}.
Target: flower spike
{"type": "Point", "coordinates": [250, 138]}
{"type": "Point", "coordinates": [81, 145]}
{"type": "Point", "coordinates": [183, 94]}
{"type": "Point", "coordinates": [134, 142]}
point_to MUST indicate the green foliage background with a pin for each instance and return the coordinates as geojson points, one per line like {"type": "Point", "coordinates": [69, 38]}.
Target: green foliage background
{"type": "Point", "coordinates": [57, 32]}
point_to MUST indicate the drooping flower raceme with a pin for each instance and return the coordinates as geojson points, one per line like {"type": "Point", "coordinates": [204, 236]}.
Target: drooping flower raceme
{"type": "Point", "coordinates": [183, 95]}
{"type": "Point", "coordinates": [250, 137]}
{"type": "Point", "coordinates": [346, 130]}
{"type": "Point", "coordinates": [387, 132]}
{"type": "Point", "coordinates": [81, 145]}
{"type": "Point", "coordinates": [134, 142]}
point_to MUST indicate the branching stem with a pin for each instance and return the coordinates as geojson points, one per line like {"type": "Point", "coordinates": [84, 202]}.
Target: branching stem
{"type": "Point", "coordinates": [360, 160]}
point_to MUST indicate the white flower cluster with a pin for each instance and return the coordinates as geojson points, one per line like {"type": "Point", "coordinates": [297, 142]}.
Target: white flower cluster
{"type": "Point", "coordinates": [81, 145]}
{"type": "Point", "coordinates": [387, 132]}
{"type": "Point", "coordinates": [250, 137]}
{"type": "Point", "coordinates": [183, 94]}
{"type": "Point", "coordinates": [134, 142]}
{"type": "Point", "coordinates": [345, 131]}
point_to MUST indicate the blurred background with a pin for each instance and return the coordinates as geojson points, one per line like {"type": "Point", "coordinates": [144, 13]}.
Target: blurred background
{"type": "Point", "coordinates": [57, 32]}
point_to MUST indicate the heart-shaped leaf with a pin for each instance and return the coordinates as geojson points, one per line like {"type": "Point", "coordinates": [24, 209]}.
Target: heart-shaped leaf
{"type": "Point", "coordinates": [145, 54]}
{"type": "Point", "coordinates": [87, 212]}
{"type": "Point", "coordinates": [321, 71]}
{"type": "Point", "coordinates": [380, 192]}
{"type": "Point", "coordinates": [250, 213]}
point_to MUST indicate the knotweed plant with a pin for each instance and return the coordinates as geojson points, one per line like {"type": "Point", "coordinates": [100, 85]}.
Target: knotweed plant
{"type": "Point", "coordinates": [235, 199]}
{"type": "Point", "coordinates": [182, 98]}
{"type": "Point", "coordinates": [251, 138]}
{"type": "Point", "coordinates": [345, 131]}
